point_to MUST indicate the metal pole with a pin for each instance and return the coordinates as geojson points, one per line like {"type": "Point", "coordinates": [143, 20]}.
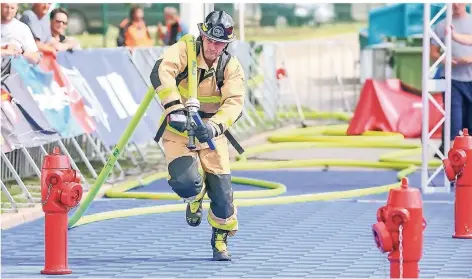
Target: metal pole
{"type": "Point", "coordinates": [84, 158]}
{"type": "Point", "coordinates": [156, 99]}
{"type": "Point", "coordinates": [191, 14]}
{"type": "Point", "coordinates": [241, 11]}
{"type": "Point", "coordinates": [14, 208]}
{"type": "Point", "coordinates": [100, 155]}
{"type": "Point", "coordinates": [140, 153]}
{"type": "Point", "coordinates": [72, 162]}
{"type": "Point", "coordinates": [293, 89]}
{"type": "Point", "coordinates": [207, 8]}
{"type": "Point", "coordinates": [425, 98]}
{"type": "Point", "coordinates": [30, 159]}
{"type": "Point", "coordinates": [44, 150]}
{"type": "Point", "coordinates": [245, 115]}
{"type": "Point", "coordinates": [132, 157]}
{"type": "Point", "coordinates": [252, 108]}
{"type": "Point", "coordinates": [105, 23]}
{"type": "Point", "coordinates": [17, 178]}
{"type": "Point", "coordinates": [447, 97]}
{"type": "Point", "coordinates": [428, 87]}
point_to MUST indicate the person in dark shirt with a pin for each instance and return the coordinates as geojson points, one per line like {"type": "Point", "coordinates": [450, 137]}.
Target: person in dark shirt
{"type": "Point", "coordinates": [59, 20]}
{"type": "Point", "coordinates": [175, 28]}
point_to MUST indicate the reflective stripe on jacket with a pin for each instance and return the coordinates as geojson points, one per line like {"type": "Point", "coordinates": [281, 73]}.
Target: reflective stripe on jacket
{"type": "Point", "coordinates": [225, 106]}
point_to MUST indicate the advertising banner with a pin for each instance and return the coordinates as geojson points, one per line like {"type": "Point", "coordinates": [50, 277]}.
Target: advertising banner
{"type": "Point", "coordinates": [93, 106]}
{"type": "Point", "coordinates": [103, 69]}
{"type": "Point", "coordinates": [60, 81]}
{"type": "Point", "coordinates": [144, 59]}
{"type": "Point", "coordinates": [136, 84]}
{"type": "Point", "coordinates": [33, 88]}
{"type": "Point", "coordinates": [20, 127]}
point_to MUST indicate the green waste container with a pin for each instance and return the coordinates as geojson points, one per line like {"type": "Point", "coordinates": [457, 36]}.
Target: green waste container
{"type": "Point", "coordinates": [343, 12]}
{"type": "Point", "coordinates": [415, 40]}
{"type": "Point", "coordinates": [408, 65]}
{"type": "Point", "coordinates": [363, 38]}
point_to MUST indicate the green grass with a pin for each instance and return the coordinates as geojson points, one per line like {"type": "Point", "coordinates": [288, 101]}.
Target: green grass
{"type": "Point", "coordinates": [33, 182]}
{"type": "Point", "coordinates": [251, 33]}
{"type": "Point", "coordinates": [13, 190]}
{"type": "Point", "coordinates": [301, 33]}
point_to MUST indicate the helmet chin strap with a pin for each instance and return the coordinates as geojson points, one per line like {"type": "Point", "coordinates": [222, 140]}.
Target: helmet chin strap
{"type": "Point", "coordinates": [199, 38]}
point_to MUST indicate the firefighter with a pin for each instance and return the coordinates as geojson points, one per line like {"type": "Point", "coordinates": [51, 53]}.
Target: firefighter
{"type": "Point", "coordinates": [221, 104]}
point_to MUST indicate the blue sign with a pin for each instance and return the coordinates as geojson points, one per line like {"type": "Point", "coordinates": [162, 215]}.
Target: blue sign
{"type": "Point", "coordinates": [37, 91]}
{"type": "Point", "coordinates": [116, 84]}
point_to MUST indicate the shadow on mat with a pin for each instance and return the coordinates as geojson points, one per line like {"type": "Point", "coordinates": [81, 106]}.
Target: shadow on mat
{"type": "Point", "coordinates": [129, 260]}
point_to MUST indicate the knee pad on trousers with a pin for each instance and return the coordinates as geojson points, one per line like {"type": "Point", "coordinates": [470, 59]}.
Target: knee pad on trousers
{"type": "Point", "coordinates": [185, 179]}
{"type": "Point", "coordinates": [220, 192]}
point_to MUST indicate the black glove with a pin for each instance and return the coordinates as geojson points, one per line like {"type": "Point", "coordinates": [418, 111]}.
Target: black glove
{"type": "Point", "coordinates": [178, 120]}
{"type": "Point", "coordinates": [205, 133]}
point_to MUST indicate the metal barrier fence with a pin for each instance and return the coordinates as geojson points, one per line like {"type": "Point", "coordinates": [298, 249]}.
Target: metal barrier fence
{"type": "Point", "coordinates": [323, 73]}
{"type": "Point", "coordinates": [319, 75]}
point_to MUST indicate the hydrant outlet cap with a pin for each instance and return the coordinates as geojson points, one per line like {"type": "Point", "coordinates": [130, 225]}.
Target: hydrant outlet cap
{"type": "Point", "coordinates": [404, 182]}
{"type": "Point", "coordinates": [56, 150]}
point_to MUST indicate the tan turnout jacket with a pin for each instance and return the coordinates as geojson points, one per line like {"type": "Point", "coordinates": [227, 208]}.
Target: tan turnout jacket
{"type": "Point", "coordinates": [226, 105]}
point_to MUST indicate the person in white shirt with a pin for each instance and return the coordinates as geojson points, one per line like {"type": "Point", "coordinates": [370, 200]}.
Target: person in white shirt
{"type": "Point", "coordinates": [465, 39]}
{"type": "Point", "coordinates": [37, 19]}
{"type": "Point", "coordinates": [16, 38]}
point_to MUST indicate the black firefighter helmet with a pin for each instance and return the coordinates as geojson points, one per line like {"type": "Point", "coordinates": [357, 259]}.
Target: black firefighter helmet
{"type": "Point", "coordinates": [218, 26]}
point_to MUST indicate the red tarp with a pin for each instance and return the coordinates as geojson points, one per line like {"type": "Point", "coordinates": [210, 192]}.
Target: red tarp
{"type": "Point", "coordinates": [384, 106]}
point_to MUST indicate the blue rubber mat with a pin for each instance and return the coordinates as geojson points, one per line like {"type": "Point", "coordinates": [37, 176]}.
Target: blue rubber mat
{"type": "Point", "coordinates": [297, 182]}
{"type": "Point", "coordinates": [301, 182]}
{"type": "Point", "coordinates": [414, 180]}
{"type": "Point", "coordinates": [318, 239]}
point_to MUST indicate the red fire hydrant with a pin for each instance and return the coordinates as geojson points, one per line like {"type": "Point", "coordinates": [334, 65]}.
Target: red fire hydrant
{"type": "Point", "coordinates": [399, 230]}
{"type": "Point", "coordinates": [458, 168]}
{"type": "Point", "coordinates": [281, 73]}
{"type": "Point", "coordinates": [60, 192]}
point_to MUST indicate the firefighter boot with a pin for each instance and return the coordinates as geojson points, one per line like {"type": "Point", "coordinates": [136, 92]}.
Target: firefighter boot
{"type": "Point", "coordinates": [219, 244]}
{"type": "Point", "coordinates": [194, 213]}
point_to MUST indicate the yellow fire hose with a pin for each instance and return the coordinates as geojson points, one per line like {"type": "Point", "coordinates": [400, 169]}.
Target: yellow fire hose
{"type": "Point", "coordinates": [300, 138]}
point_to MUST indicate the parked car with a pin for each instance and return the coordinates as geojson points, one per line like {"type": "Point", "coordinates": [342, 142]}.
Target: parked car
{"type": "Point", "coordinates": [85, 17]}
{"type": "Point", "coordinates": [296, 14]}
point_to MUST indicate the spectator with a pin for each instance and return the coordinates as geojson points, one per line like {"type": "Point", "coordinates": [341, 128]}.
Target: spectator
{"type": "Point", "coordinates": [133, 31]}
{"type": "Point", "coordinates": [465, 39]}
{"type": "Point", "coordinates": [38, 22]}
{"type": "Point", "coordinates": [16, 38]}
{"type": "Point", "coordinates": [461, 73]}
{"type": "Point", "coordinates": [59, 20]}
{"type": "Point", "coordinates": [174, 28]}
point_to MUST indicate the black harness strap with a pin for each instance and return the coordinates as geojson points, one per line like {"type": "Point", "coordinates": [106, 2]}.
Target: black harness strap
{"type": "Point", "coordinates": [202, 114]}
{"type": "Point", "coordinates": [219, 74]}
{"type": "Point", "coordinates": [227, 133]}
{"type": "Point", "coordinates": [234, 142]}
{"type": "Point", "coordinates": [161, 130]}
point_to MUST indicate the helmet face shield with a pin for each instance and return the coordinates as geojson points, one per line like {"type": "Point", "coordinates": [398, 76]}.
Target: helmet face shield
{"type": "Point", "coordinates": [218, 26]}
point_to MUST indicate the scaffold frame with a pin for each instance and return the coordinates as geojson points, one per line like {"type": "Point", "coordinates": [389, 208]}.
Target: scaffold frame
{"type": "Point", "coordinates": [435, 85]}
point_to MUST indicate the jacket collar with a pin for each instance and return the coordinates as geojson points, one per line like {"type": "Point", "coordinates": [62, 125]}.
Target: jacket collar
{"type": "Point", "coordinates": [201, 64]}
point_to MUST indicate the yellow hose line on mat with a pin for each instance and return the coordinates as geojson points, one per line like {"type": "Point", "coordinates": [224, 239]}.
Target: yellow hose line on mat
{"type": "Point", "coordinates": [275, 190]}
{"type": "Point", "coordinates": [299, 138]}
